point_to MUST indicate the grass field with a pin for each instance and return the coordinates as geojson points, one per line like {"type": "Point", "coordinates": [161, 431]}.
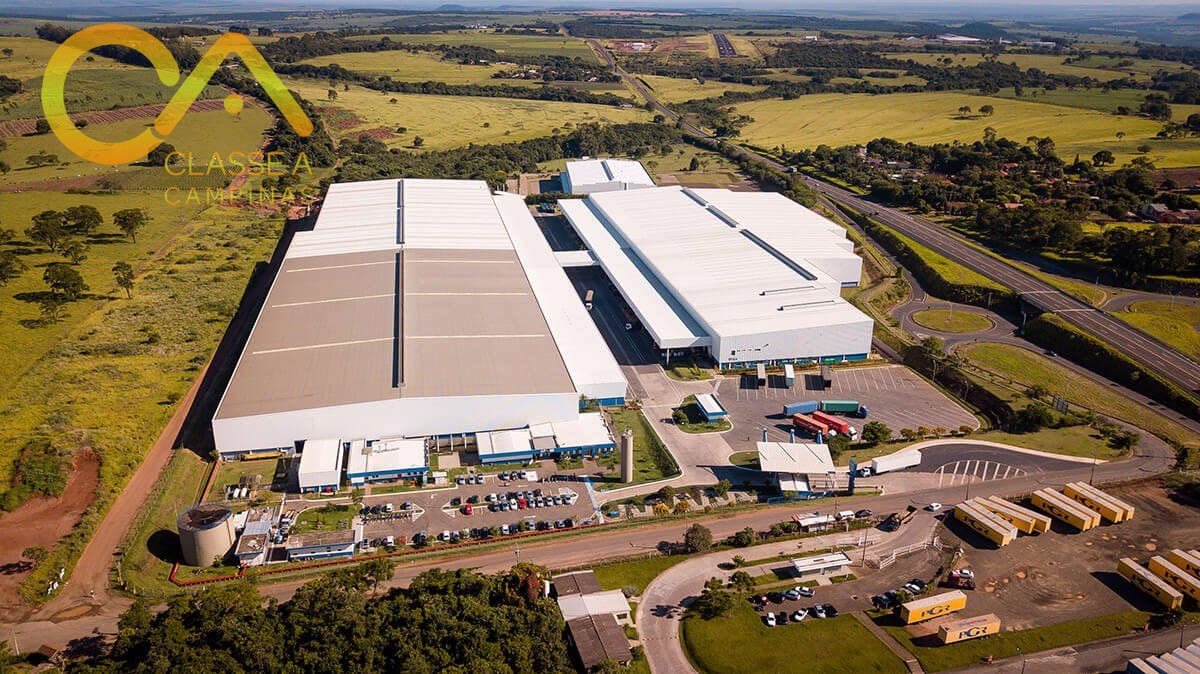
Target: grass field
{"type": "Point", "coordinates": [688, 372]}
{"type": "Point", "coordinates": [932, 117]}
{"type": "Point", "coordinates": [30, 56]}
{"type": "Point", "coordinates": [635, 575]}
{"type": "Point", "coordinates": [678, 90]}
{"type": "Point", "coordinates": [97, 89]}
{"type": "Point", "coordinates": [1045, 62]}
{"type": "Point", "coordinates": [946, 320]}
{"type": "Point", "coordinates": [1171, 330]}
{"type": "Point", "coordinates": [1027, 368]}
{"type": "Point", "coordinates": [744, 459]}
{"type": "Point", "coordinates": [406, 66]}
{"type": "Point", "coordinates": [1181, 311]}
{"type": "Point", "coordinates": [648, 462]}
{"type": "Point", "coordinates": [507, 45]}
{"type": "Point", "coordinates": [1007, 644]}
{"type": "Point", "coordinates": [948, 269]}
{"type": "Point", "coordinates": [743, 643]}
{"type": "Point", "coordinates": [454, 121]}
{"type": "Point", "coordinates": [201, 134]}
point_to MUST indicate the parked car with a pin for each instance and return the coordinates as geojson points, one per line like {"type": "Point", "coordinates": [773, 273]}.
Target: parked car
{"type": "Point", "coordinates": [799, 615]}
{"type": "Point", "coordinates": [783, 617]}
{"type": "Point", "coordinates": [912, 589]}
{"type": "Point", "coordinates": [445, 535]}
{"type": "Point", "coordinates": [919, 584]}
{"type": "Point", "coordinates": [817, 611]}
{"type": "Point", "coordinates": [389, 541]}
{"type": "Point", "coordinates": [881, 602]}
{"type": "Point", "coordinates": [569, 522]}
{"type": "Point", "coordinates": [934, 507]}
{"type": "Point", "coordinates": [865, 512]}
{"type": "Point", "coordinates": [792, 594]}
{"type": "Point", "coordinates": [770, 619]}
{"type": "Point", "coordinates": [407, 505]}
{"type": "Point", "coordinates": [830, 610]}
{"type": "Point", "coordinates": [504, 530]}
{"type": "Point", "coordinates": [966, 573]}
{"type": "Point", "coordinates": [468, 510]}
{"type": "Point", "coordinates": [806, 591]}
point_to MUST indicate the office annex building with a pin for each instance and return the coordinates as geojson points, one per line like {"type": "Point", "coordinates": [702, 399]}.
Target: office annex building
{"type": "Point", "coordinates": [414, 308]}
{"type": "Point", "coordinates": [748, 277]}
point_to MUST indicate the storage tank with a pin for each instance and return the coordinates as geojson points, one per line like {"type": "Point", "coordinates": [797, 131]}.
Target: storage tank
{"type": "Point", "coordinates": [205, 533]}
{"type": "Point", "coordinates": [627, 456]}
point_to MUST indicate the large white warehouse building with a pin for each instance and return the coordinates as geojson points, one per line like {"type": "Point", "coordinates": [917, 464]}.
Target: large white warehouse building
{"type": "Point", "coordinates": [587, 176]}
{"type": "Point", "coordinates": [750, 277]}
{"type": "Point", "coordinates": [414, 308]}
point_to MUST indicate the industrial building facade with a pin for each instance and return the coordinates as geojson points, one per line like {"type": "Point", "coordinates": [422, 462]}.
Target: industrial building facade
{"type": "Point", "coordinates": [413, 309]}
{"type": "Point", "coordinates": [748, 277]}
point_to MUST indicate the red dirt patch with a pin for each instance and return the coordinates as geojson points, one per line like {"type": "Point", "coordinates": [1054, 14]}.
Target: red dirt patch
{"type": "Point", "coordinates": [42, 521]}
{"type": "Point", "coordinates": [379, 133]}
{"type": "Point", "coordinates": [24, 127]}
{"type": "Point", "coordinates": [339, 119]}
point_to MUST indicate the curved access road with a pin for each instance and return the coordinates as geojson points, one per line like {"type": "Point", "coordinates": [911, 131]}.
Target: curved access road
{"type": "Point", "coordinates": [1155, 355]}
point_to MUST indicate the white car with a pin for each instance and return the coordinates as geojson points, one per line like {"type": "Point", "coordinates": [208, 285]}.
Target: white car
{"type": "Point", "coordinates": [389, 541]}
{"type": "Point", "coordinates": [934, 507]}
{"type": "Point", "coordinates": [817, 611]}
{"type": "Point", "coordinates": [770, 617]}
{"type": "Point", "coordinates": [799, 615]}
{"type": "Point", "coordinates": [966, 573]}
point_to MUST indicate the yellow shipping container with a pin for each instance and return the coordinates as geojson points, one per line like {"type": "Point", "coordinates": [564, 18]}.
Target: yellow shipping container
{"type": "Point", "coordinates": [1022, 518]}
{"type": "Point", "coordinates": [971, 628]}
{"type": "Point", "coordinates": [1188, 561]}
{"type": "Point", "coordinates": [1150, 583]}
{"type": "Point", "coordinates": [1064, 509]}
{"type": "Point", "coordinates": [932, 607]}
{"type": "Point", "coordinates": [1108, 507]}
{"type": "Point", "coordinates": [1175, 577]}
{"type": "Point", "coordinates": [986, 524]}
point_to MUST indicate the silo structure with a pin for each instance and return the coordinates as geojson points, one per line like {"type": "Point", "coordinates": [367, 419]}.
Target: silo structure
{"type": "Point", "coordinates": [205, 533]}
{"type": "Point", "coordinates": [627, 456]}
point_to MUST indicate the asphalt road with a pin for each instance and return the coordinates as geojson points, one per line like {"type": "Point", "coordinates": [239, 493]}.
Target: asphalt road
{"type": "Point", "coordinates": [1153, 354]}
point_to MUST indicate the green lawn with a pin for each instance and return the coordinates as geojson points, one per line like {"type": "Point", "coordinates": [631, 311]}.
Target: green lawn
{"type": "Point", "coordinates": [453, 121]}
{"type": "Point", "coordinates": [30, 56]}
{"type": "Point", "coordinates": [695, 419]}
{"type": "Point", "coordinates": [950, 271]}
{"type": "Point", "coordinates": [1188, 313]}
{"type": "Point", "coordinates": [936, 658]}
{"type": "Point", "coordinates": [932, 117]}
{"type": "Point", "coordinates": [688, 372]}
{"type": "Point", "coordinates": [154, 543]}
{"type": "Point", "coordinates": [678, 90]}
{"type": "Point", "coordinates": [948, 320]}
{"type": "Point", "coordinates": [1178, 334]}
{"type": "Point", "coordinates": [635, 575]}
{"type": "Point", "coordinates": [1049, 63]}
{"type": "Point", "coordinates": [650, 457]}
{"type": "Point", "coordinates": [744, 459]}
{"type": "Point", "coordinates": [743, 643]}
{"type": "Point", "coordinates": [232, 472]}
{"type": "Point", "coordinates": [325, 518]}
{"type": "Point", "coordinates": [118, 86]}
{"type": "Point", "coordinates": [1026, 368]}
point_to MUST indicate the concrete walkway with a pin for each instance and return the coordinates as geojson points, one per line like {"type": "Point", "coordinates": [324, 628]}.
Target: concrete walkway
{"type": "Point", "coordinates": [894, 646]}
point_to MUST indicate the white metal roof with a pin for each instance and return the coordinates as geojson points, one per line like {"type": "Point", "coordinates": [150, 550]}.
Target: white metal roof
{"type": "Point", "coordinates": [320, 462]}
{"type": "Point", "coordinates": [833, 560]}
{"type": "Point", "coordinates": [618, 174]}
{"type": "Point", "coordinates": [728, 282]}
{"type": "Point", "coordinates": [588, 430]}
{"type": "Point", "coordinates": [591, 365]}
{"type": "Point", "coordinates": [794, 457]}
{"type": "Point", "coordinates": [609, 602]}
{"type": "Point", "coordinates": [709, 403]}
{"type": "Point", "coordinates": [504, 442]}
{"type": "Point", "coordinates": [389, 455]}
{"type": "Point", "coordinates": [666, 320]}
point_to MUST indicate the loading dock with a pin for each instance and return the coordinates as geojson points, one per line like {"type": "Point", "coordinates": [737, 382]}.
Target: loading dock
{"type": "Point", "coordinates": [1064, 509]}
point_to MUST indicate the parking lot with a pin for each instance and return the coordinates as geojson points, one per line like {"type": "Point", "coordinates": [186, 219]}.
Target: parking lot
{"type": "Point", "coordinates": [893, 394]}
{"type": "Point", "coordinates": [445, 510]}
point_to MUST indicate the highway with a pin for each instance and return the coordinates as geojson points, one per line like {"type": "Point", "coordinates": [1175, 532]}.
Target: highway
{"type": "Point", "coordinates": [1156, 356]}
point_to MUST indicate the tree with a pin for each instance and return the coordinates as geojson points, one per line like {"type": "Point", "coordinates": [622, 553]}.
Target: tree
{"type": "Point", "coordinates": [130, 220]}
{"type": "Point", "coordinates": [694, 165]}
{"type": "Point", "coordinates": [682, 507]}
{"type": "Point", "coordinates": [738, 560]}
{"type": "Point", "coordinates": [741, 581]}
{"type": "Point", "coordinates": [722, 487]}
{"type": "Point", "coordinates": [41, 158]}
{"type": "Point", "coordinates": [876, 432]}
{"type": "Point", "coordinates": [1120, 135]}
{"type": "Point", "coordinates": [8, 52]}
{"type": "Point", "coordinates": [123, 275]}
{"type": "Point", "coordinates": [4, 167]}
{"type": "Point", "coordinates": [989, 134]}
{"type": "Point", "coordinates": [964, 110]}
{"type": "Point", "coordinates": [662, 509]}
{"type": "Point", "coordinates": [331, 94]}
{"type": "Point", "coordinates": [41, 127]}
{"type": "Point", "coordinates": [49, 229]}
{"type": "Point", "coordinates": [1103, 158]}
{"type": "Point", "coordinates": [713, 604]}
{"type": "Point", "coordinates": [418, 141]}
{"type": "Point", "coordinates": [986, 110]}
{"type": "Point", "coordinates": [52, 308]}
{"type": "Point", "coordinates": [75, 251]}
{"type": "Point", "coordinates": [745, 537]}
{"type": "Point", "coordinates": [161, 154]}
{"type": "Point", "coordinates": [83, 219]}
{"type": "Point", "coordinates": [908, 434]}
{"type": "Point", "coordinates": [698, 538]}
{"type": "Point", "coordinates": [35, 554]}
{"type": "Point", "coordinates": [11, 266]}
{"type": "Point", "coordinates": [378, 570]}
{"type": "Point", "coordinates": [667, 494]}
{"type": "Point", "coordinates": [64, 280]}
